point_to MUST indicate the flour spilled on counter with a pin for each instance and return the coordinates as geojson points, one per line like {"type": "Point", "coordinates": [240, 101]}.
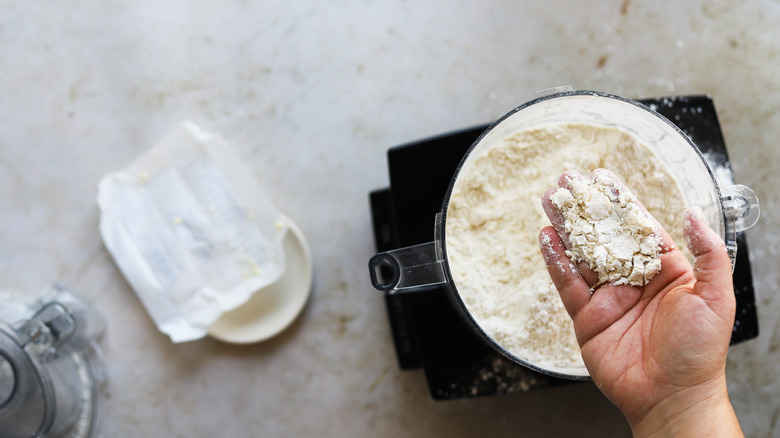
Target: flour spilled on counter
{"type": "Point", "coordinates": [608, 230]}
{"type": "Point", "coordinates": [495, 215]}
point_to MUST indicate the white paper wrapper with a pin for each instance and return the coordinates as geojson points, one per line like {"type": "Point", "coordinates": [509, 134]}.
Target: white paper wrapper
{"type": "Point", "coordinates": [191, 230]}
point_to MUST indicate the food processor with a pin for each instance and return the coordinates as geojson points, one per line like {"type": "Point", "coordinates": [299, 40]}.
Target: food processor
{"type": "Point", "coordinates": [50, 365]}
{"type": "Point", "coordinates": [729, 208]}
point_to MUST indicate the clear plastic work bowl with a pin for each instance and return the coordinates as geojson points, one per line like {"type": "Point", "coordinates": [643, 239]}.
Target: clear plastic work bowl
{"type": "Point", "coordinates": [728, 209]}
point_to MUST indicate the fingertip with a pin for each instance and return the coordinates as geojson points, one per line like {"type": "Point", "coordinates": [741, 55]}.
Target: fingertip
{"type": "Point", "coordinates": [554, 215]}
{"type": "Point", "coordinates": [711, 263]}
{"type": "Point", "coordinates": [546, 202]}
{"type": "Point", "coordinates": [699, 237]}
{"type": "Point", "coordinates": [601, 171]}
{"type": "Point", "coordinates": [606, 173]}
{"type": "Point", "coordinates": [564, 181]}
{"type": "Point", "coordinates": [616, 183]}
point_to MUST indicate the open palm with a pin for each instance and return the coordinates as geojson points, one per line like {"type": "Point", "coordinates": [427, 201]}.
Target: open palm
{"type": "Point", "coordinates": [667, 339]}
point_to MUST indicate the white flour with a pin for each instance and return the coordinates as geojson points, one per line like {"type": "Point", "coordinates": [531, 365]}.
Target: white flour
{"type": "Point", "coordinates": [495, 215]}
{"type": "Point", "coordinates": [608, 231]}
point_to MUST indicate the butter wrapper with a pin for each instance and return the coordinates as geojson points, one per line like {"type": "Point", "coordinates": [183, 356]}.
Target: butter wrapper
{"type": "Point", "coordinates": [191, 230]}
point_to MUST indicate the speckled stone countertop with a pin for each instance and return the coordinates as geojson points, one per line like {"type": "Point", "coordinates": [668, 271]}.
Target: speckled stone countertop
{"type": "Point", "coordinates": [312, 94]}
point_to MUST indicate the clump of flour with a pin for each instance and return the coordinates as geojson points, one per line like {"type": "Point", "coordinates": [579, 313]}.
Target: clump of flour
{"type": "Point", "coordinates": [608, 230]}
{"type": "Point", "coordinates": [494, 216]}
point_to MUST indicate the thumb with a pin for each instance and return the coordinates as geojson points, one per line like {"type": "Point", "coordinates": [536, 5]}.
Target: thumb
{"type": "Point", "coordinates": [711, 262]}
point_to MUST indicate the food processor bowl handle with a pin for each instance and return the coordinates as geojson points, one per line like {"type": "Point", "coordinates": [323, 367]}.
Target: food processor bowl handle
{"type": "Point", "coordinates": [405, 269]}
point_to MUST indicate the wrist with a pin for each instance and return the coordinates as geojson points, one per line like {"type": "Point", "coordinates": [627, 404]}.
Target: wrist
{"type": "Point", "coordinates": [704, 410]}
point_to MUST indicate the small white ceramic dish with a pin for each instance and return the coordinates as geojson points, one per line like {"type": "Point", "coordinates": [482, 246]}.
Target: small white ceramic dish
{"type": "Point", "coordinates": [274, 307]}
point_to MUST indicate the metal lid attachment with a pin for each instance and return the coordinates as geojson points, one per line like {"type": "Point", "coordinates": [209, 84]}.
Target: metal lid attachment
{"type": "Point", "coordinates": [27, 392]}
{"type": "Point", "coordinates": [49, 366]}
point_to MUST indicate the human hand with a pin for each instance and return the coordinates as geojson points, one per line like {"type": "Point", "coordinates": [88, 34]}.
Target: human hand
{"type": "Point", "coordinates": [657, 351]}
